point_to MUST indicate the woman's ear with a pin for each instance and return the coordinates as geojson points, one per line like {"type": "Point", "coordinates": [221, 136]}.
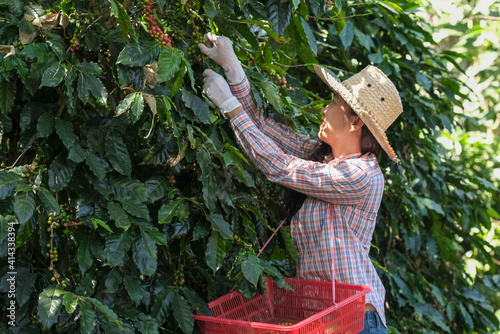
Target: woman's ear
{"type": "Point", "coordinates": [356, 125]}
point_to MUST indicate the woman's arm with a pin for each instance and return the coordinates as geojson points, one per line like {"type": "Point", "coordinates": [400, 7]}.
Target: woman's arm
{"type": "Point", "coordinates": [289, 141]}
{"type": "Point", "coordinates": [342, 183]}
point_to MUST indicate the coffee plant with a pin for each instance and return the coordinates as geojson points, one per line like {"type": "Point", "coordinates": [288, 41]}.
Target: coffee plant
{"type": "Point", "coordinates": [126, 204]}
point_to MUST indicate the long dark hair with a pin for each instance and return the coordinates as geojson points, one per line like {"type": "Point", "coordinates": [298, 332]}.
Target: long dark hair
{"type": "Point", "coordinates": [318, 153]}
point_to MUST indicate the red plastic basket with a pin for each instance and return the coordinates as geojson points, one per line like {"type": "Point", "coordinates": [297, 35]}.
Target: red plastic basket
{"type": "Point", "coordinates": [307, 309]}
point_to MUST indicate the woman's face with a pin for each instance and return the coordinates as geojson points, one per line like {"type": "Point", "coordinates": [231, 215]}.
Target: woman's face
{"type": "Point", "coordinates": [336, 120]}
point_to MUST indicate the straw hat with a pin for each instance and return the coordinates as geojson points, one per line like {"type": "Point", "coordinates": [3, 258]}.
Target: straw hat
{"type": "Point", "coordinates": [374, 98]}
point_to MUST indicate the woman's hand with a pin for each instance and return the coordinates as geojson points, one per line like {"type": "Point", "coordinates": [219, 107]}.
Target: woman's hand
{"type": "Point", "coordinates": [220, 50]}
{"type": "Point", "coordinates": [218, 91]}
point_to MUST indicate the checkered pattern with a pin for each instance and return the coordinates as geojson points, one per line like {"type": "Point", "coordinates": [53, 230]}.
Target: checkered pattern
{"type": "Point", "coordinates": [353, 185]}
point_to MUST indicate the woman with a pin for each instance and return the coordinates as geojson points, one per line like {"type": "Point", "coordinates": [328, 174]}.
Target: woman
{"type": "Point", "coordinates": [343, 186]}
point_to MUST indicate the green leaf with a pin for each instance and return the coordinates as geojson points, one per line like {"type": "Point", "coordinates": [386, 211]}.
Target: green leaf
{"type": "Point", "coordinates": [197, 105]}
{"type": "Point", "coordinates": [251, 269]}
{"type": "Point", "coordinates": [289, 243]}
{"type": "Point", "coordinates": [49, 303]}
{"type": "Point", "coordinates": [364, 39]}
{"type": "Point", "coordinates": [113, 280]}
{"type": "Point", "coordinates": [182, 313]}
{"type": "Point", "coordinates": [168, 64]}
{"type": "Point", "coordinates": [45, 125]}
{"type": "Point", "coordinates": [135, 207]}
{"type": "Point", "coordinates": [88, 316]}
{"type": "Point", "coordinates": [64, 130]}
{"type": "Point", "coordinates": [179, 81]}
{"type": "Point", "coordinates": [89, 83]}
{"type": "Point", "coordinates": [146, 324]}
{"type": "Point", "coordinates": [77, 153]}
{"type": "Point", "coordinates": [169, 210]}
{"type": "Point", "coordinates": [162, 305]}
{"type": "Point", "coordinates": [96, 164]}
{"type": "Point", "coordinates": [492, 212]}
{"type": "Point", "coordinates": [272, 94]}
{"type": "Point", "coordinates": [159, 237]}
{"type": "Point", "coordinates": [347, 35]}
{"type": "Point", "coordinates": [133, 287]}
{"type": "Point", "coordinates": [431, 313]}
{"type": "Point", "coordinates": [306, 34]}
{"type": "Point", "coordinates": [85, 258]}
{"type": "Point", "coordinates": [424, 81]}
{"type": "Point", "coordinates": [24, 206]}
{"type": "Point", "coordinates": [97, 88]}
{"type": "Point", "coordinates": [25, 281]}
{"type": "Point", "coordinates": [136, 107]}
{"type": "Point", "coordinates": [131, 188]}
{"type": "Point", "coordinates": [7, 95]}
{"type": "Point", "coordinates": [119, 215]}
{"type": "Point", "coordinates": [215, 251]}
{"type": "Point", "coordinates": [124, 21]}
{"type": "Point", "coordinates": [393, 7]}
{"type": "Point", "coordinates": [96, 222]}
{"type": "Point", "coordinates": [54, 75]}
{"type": "Point", "coordinates": [8, 183]}
{"type": "Point", "coordinates": [70, 302]}
{"type": "Point", "coordinates": [187, 65]}
{"type": "Point", "coordinates": [139, 54]}
{"type": "Point", "coordinates": [209, 188]}
{"type": "Point", "coordinates": [117, 153]}
{"type": "Point", "coordinates": [106, 311]}
{"type": "Point", "coordinates": [48, 200]}
{"type": "Point", "coordinates": [198, 304]}
{"type": "Point", "coordinates": [278, 13]}
{"type": "Point", "coordinates": [144, 253]}
{"type": "Point", "coordinates": [221, 226]}
{"type": "Point", "coordinates": [56, 43]}
{"type": "Point", "coordinates": [430, 204]}
{"type": "Point", "coordinates": [117, 247]}
{"type": "Point", "coordinates": [157, 188]}
{"type": "Point", "coordinates": [125, 104]}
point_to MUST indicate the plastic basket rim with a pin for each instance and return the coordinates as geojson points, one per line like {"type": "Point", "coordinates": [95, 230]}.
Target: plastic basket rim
{"type": "Point", "coordinates": [362, 291]}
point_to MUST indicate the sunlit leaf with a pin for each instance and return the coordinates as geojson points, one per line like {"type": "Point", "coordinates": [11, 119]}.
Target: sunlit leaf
{"type": "Point", "coordinates": [215, 251]}
{"type": "Point", "coordinates": [49, 303]}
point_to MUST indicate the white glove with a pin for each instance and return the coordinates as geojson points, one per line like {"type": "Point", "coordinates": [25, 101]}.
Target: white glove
{"type": "Point", "coordinates": [220, 50]}
{"type": "Point", "coordinates": [218, 91]}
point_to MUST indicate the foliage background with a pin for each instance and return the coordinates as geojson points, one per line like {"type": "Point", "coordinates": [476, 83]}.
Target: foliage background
{"type": "Point", "coordinates": [169, 213]}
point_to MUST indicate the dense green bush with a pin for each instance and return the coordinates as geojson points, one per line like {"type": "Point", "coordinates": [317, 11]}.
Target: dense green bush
{"type": "Point", "coordinates": [130, 204]}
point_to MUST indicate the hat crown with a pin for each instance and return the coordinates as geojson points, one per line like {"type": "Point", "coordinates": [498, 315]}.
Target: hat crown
{"type": "Point", "coordinates": [378, 95]}
{"type": "Point", "coordinates": [373, 97]}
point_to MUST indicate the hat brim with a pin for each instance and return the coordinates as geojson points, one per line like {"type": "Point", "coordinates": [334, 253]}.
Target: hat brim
{"type": "Point", "coordinates": [359, 108]}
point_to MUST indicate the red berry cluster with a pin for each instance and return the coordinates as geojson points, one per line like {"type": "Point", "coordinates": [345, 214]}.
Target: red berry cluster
{"type": "Point", "coordinates": [30, 171]}
{"type": "Point", "coordinates": [153, 28]}
{"type": "Point", "coordinates": [283, 83]}
{"type": "Point", "coordinates": [170, 179]}
{"type": "Point", "coordinates": [74, 44]}
{"type": "Point", "coordinates": [252, 59]}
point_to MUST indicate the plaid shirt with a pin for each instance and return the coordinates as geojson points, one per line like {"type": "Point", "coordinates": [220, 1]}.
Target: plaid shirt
{"type": "Point", "coordinates": [346, 191]}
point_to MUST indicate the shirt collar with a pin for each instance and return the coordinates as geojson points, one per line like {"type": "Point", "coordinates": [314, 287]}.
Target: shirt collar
{"type": "Point", "coordinates": [330, 158]}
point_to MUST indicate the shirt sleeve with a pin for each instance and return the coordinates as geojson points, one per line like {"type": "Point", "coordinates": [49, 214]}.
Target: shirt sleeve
{"type": "Point", "coordinates": [288, 140]}
{"type": "Point", "coordinates": [340, 183]}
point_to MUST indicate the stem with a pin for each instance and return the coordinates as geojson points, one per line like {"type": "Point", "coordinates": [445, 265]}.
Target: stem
{"type": "Point", "coordinates": [337, 18]}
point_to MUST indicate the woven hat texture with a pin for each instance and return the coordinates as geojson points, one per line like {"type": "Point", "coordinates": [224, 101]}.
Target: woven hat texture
{"type": "Point", "coordinates": [374, 98]}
